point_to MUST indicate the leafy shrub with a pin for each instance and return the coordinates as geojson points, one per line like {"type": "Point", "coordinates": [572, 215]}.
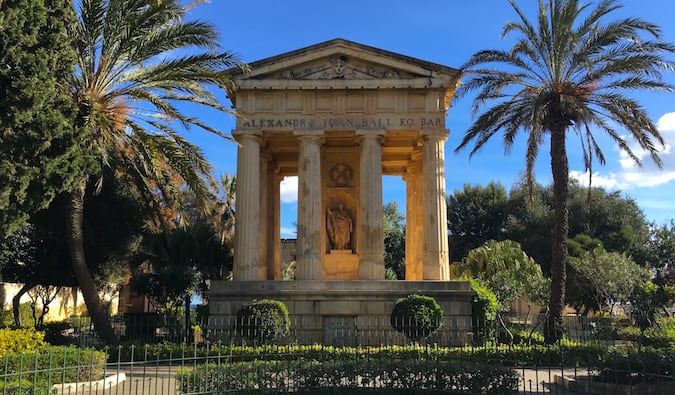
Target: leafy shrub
{"type": "Point", "coordinates": [51, 365]}
{"type": "Point", "coordinates": [262, 321]}
{"type": "Point", "coordinates": [483, 312]}
{"type": "Point", "coordinates": [26, 313]}
{"type": "Point", "coordinates": [20, 340]}
{"type": "Point", "coordinates": [520, 336]}
{"type": "Point", "coordinates": [416, 316]}
{"type": "Point", "coordinates": [283, 376]}
{"type": "Point", "coordinates": [660, 336]}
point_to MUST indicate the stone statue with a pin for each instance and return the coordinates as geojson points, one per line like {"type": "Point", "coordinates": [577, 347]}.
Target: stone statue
{"type": "Point", "coordinates": [339, 225]}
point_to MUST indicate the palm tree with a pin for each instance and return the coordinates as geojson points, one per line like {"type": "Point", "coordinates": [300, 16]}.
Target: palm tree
{"type": "Point", "coordinates": [570, 72]}
{"type": "Point", "coordinates": [138, 60]}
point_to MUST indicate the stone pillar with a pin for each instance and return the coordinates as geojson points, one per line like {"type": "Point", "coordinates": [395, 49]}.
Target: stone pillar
{"type": "Point", "coordinates": [263, 214]}
{"type": "Point", "coordinates": [371, 235]}
{"type": "Point", "coordinates": [246, 258]}
{"type": "Point", "coordinates": [414, 231]}
{"type": "Point", "coordinates": [435, 211]}
{"type": "Point", "coordinates": [310, 215]}
{"type": "Point", "coordinates": [274, 230]}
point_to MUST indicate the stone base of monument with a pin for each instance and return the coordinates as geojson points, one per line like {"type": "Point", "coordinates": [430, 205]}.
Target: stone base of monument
{"type": "Point", "coordinates": [342, 312]}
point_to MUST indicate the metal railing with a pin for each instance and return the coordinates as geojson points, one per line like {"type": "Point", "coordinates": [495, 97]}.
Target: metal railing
{"type": "Point", "coordinates": [309, 358]}
{"type": "Point", "coordinates": [228, 369]}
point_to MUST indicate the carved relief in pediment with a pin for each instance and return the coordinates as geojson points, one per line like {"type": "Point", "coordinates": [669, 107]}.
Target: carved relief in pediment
{"type": "Point", "coordinates": [339, 67]}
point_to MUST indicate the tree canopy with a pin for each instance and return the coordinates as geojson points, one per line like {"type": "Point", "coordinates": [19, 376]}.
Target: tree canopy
{"type": "Point", "coordinates": [138, 61]}
{"type": "Point", "coordinates": [568, 71]}
{"type": "Point", "coordinates": [40, 154]}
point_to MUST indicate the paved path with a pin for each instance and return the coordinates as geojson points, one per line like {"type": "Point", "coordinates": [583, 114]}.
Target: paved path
{"type": "Point", "coordinates": [542, 380]}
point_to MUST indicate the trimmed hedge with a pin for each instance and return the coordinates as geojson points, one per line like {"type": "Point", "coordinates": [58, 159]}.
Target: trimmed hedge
{"type": "Point", "coordinates": [301, 374]}
{"type": "Point", "coordinates": [40, 370]}
{"type": "Point", "coordinates": [263, 321]}
{"type": "Point", "coordinates": [416, 316]}
{"type": "Point", "coordinates": [20, 340]}
{"type": "Point", "coordinates": [483, 312]}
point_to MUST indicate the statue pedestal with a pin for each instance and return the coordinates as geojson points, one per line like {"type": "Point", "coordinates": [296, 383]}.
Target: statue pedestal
{"type": "Point", "coordinates": [340, 265]}
{"type": "Point", "coordinates": [342, 312]}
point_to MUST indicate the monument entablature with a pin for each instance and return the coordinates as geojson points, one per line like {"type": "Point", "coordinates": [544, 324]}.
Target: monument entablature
{"type": "Point", "coordinates": [340, 116]}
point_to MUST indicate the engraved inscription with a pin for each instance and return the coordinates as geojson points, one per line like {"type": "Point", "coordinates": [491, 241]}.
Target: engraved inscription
{"type": "Point", "coordinates": [341, 123]}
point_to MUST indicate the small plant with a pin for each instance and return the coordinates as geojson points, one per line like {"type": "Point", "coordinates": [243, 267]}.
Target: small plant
{"type": "Point", "coordinates": [416, 316]}
{"type": "Point", "coordinates": [263, 321]}
{"type": "Point", "coordinates": [483, 312]}
{"type": "Point", "coordinates": [21, 341]}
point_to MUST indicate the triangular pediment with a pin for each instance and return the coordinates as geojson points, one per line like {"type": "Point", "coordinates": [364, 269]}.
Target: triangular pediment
{"type": "Point", "coordinates": [341, 63]}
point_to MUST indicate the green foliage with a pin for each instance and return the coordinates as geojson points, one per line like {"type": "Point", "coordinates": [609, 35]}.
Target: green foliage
{"type": "Point", "coordinates": [301, 374]}
{"type": "Point", "coordinates": [263, 321]}
{"type": "Point", "coordinates": [20, 340]}
{"type": "Point", "coordinates": [394, 242]}
{"type": "Point", "coordinates": [416, 316]}
{"type": "Point", "coordinates": [26, 312]}
{"type": "Point", "coordinates": [661, 335]}
{"type": "Point", "coordinates": [53, 365]}
{"type": "Point", "coordinates": [40, 153]}
{"type": "Point", "coordinates": [607, 278]}
{"type": "Point", "coordinates": [475, 215]}
{"type": "Point", "coordinates": [646, 303]}
{"type": "Point", "coordinates": [504, 268]}
{"type": "Point", "coordinates": [483, 312]}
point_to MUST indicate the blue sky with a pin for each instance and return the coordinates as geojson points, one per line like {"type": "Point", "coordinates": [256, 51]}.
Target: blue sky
{"type": "Point", "coordinates": [446, 32]}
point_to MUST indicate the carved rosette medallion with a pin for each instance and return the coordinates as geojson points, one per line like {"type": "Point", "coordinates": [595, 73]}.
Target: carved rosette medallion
{"type": "Point", "coordinates": [341, 175]}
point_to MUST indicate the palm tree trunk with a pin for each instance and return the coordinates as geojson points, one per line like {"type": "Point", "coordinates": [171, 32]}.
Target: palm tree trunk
{"type": "Point", "coordinates": [560, 170]}
{"type": "Point", "coordinates": [75, 241]}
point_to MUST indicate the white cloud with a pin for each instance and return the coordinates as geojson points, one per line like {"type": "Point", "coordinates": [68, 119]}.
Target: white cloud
{"type": "Point", "coordinates": [289, 189]}
{"type": "Point", "coordinates": [666, 123]}
{"type": "Point", "coordinates": [630, 175]}
{"type": "Point", "coordinates": [288, 232]}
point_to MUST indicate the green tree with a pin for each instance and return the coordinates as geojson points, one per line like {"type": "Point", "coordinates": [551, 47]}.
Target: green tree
{"type": "Point", "coordinates": [138, 61]}
{"type": "Point", "coordinates": [607, 278]}
{"type": "Point", "coordinates": [114, 219]}
{"type": "Point", "coordinates": [475, 215]}
{"type": "Point", "coordinates": [646, 302]}
{"type": "Point", "coordinates": [661, 247]}
{"type": "Point", "coordinates": [394, 242]}
{"type": "Point", "coordinates": [39, 152]}
{"type": "Point", "coordinates": [567, 73]}
{"type": "Point", "coordinates": [506, 270]}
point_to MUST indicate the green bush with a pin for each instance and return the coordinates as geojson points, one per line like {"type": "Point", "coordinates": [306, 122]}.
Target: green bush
{"type": "Point", "coordinates": [660, 336]}
{"type": "Point", "coordinates": [416, 316]}
{"type": "Point", "coordinates": [483, 312]}
{"type": "Point", "coordinates": [263, 321]}
{"type": "Point", "coordinates": [51, 365]}
{"type": "Point", "coordinates": [26, 313]}
{"type": "Point", "coordinates": [302, 374]}
{"type": "Point", "coordinates": [20, 340]}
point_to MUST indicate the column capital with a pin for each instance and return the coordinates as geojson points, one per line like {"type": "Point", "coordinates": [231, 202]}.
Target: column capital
{"type": "Point", "coordinates": [434, 134]}
{"type": "Point", "coordinates": [370, 132]}
{"type": "Point", "coordinates": [313, 137]}
{"type": "Point", "coordinates": [309, 133]}
{"type": "Point", "coordinates": [240, 137]}
{"type": "Point", "coordinates": [360, 138]}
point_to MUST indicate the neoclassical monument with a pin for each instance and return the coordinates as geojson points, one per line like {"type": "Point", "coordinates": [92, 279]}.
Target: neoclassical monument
{"type": "Point", "coordinates": [340, 115]}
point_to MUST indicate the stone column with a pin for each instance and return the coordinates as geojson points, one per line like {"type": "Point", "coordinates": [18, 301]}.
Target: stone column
{"type": "Point", "coordinates": [414, 232]}
{"type": "Point", "coordinates": [246, 258]}
{"type": "Point", "coordinates": [371, 235]}
{"type": "Point", "coordinates": [263, 214]}
{"type": "Point", "coordinates": [309, 208]}
{"type": "Point", "coordinates": [274, 230]}
{"type": "Point", "coordinates": [435, 211]}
